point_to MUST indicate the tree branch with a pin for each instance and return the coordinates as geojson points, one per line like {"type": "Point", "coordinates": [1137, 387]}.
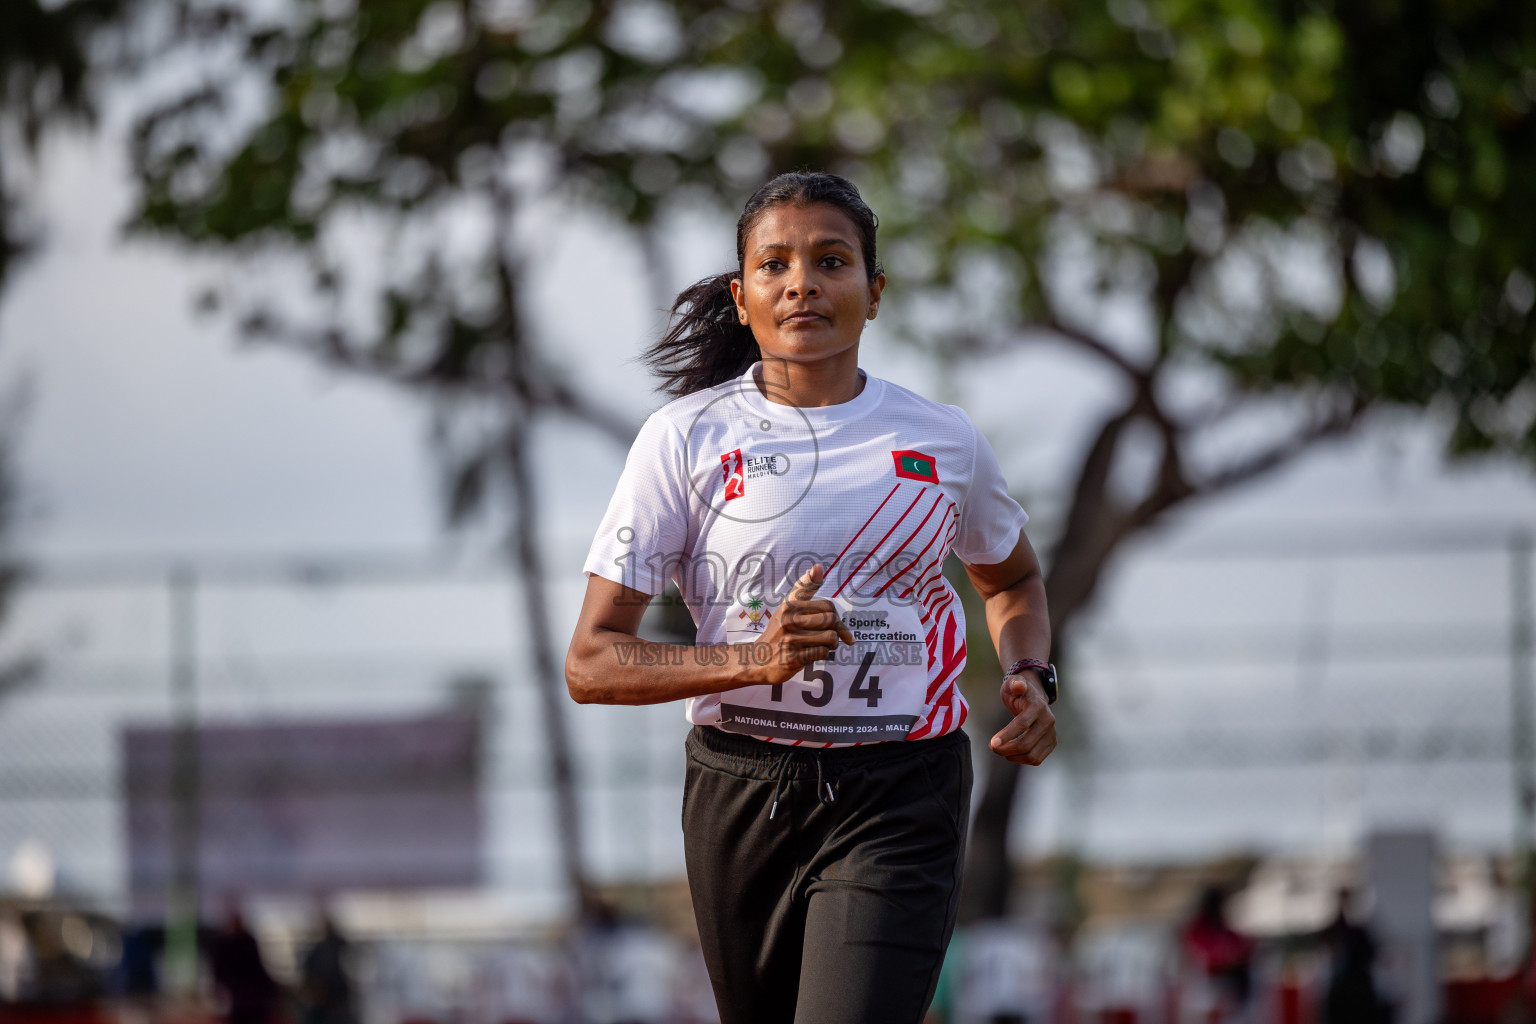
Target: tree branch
{"type": "Point", "coordinates": [561, 397]}
{"type": "Point", "coordinates": [974, 345]}
{"type": "Point", "coordinates": [541, 389]}
{"type": "Point", "coordinates": [1142, 375]}
{"type": "Point", "coordinates": [1334, 425]}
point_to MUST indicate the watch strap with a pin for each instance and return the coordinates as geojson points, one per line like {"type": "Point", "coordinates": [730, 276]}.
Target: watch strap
{"type": "Point", "coordinates": [1047, 675]}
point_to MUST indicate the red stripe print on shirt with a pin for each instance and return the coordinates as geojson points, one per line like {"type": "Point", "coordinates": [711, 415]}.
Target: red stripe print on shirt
{"type": "Point", "coordinates": [937, 601]}
{"type": "Point", "coordinates": [855, 537]}
{"type": "Point", "coordinates": [953, 650]}
{"type": "Point", "coordinates": [879, 542]}
{"type": "Point", "coordinates": [947, 715]}
{"type": "Point", "coordinates": [902, 547]}
{"type": "Point", "coordinates": [944, 707]}
{"type": "Point", "coordinates": [918, 558]}
{"type": "Point", "coordinates": [924, 580]}
{"type": "Point", "coordinates": [933, 719]}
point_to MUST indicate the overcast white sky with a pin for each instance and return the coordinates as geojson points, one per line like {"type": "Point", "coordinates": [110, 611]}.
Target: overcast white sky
{"type": "Point", "coordinates": [153, 433]}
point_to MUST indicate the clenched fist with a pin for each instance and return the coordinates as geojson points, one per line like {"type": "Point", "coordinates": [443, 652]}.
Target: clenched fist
{"type": "Point", "coordinates": [803, 629]}
{"type": "Point", "coordinates": [1031, 736]}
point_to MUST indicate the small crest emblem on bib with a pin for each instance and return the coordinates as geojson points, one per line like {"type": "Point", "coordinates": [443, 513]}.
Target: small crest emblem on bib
{"type": "Point", "coordinates": [757, 613]}
{"type": "Point", "coordinates": [912, 465]}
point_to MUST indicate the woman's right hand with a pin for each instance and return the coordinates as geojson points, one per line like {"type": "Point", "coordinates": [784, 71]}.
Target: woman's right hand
{"type": "Point", "coordinates": [801, 630]}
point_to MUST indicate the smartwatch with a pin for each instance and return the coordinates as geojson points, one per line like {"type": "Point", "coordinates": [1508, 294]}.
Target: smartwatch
{"type": "Point", "coordinates": [1047, 675]}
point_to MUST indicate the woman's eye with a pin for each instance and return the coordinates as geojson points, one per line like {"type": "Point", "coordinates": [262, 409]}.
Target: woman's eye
{"type": "Point", "coordinates": [772, 265]}
{"type": "Point", "coordinates": [833, 261]}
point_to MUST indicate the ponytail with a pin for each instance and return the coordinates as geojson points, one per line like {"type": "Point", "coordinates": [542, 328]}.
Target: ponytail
{"type": "Point", "coordinates": [707, 344]}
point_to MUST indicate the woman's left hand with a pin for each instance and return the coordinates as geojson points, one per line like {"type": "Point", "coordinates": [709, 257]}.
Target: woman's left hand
{"type": "Point", "coordinates": [1031, 736]}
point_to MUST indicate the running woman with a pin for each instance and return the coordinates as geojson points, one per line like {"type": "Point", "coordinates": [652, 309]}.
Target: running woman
{"type": "Point", "coordinates": [805, 510]}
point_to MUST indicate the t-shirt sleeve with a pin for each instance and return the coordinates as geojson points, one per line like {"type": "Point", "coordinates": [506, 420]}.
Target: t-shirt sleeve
{"type": "Point", "coordinates": [990, 520]}
{"type": "Point", "coordinates": [644, 534]}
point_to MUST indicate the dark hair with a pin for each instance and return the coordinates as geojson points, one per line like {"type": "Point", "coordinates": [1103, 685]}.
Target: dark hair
{"type": "Point", "coordinates": [706, 344]}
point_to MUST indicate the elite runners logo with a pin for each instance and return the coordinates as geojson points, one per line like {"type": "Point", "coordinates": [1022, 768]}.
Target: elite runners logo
{"type": "Point", "coordinates": [775, 445]}
{"type": "Point", "coordinates": [735, 480]}
{"type": "Point", "coordinates": [911, 465]}
{"type": "Point", "coordinates": [766, 465]}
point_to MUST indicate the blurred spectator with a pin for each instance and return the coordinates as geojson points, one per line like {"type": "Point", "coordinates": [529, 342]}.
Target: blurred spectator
{"type": "Point", "coordinates": [1003, 973]}
{"type": "Point", "coordinates": [138, 972]}
{"type": "Point", "coordinates": [1123, 972]}
{"type": "Point", "coordinates": [326, 985]}
{"type": "Point", "coordinates": [625, 973]}
{"type": "Point", "coordinates": [59, 973]}
{"type": "Point", "coordinates": [1222, 963]}
{"type": "Point", "coordinates": [138, 969]}
{"type": "Point", "coordinates": [249, 993]}
{"type": "Point", "coordinates": [695, 996]}
{"type": "Point", "coordinates": [1352, 997]}
{"type": "Point", "coordinates": [16, 960]}
{"type": "Point", "coordinates": [421, 982]}
{"type": "Point", "coordinates": [523, 983]}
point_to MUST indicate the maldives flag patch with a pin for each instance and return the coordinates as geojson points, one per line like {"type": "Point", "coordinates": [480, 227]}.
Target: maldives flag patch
{"type": "Point", "coordinates": [912, 465]}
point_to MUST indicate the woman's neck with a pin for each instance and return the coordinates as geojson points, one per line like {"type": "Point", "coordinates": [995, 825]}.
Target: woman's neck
{"type": "Point", "coordinates": [831, 381]}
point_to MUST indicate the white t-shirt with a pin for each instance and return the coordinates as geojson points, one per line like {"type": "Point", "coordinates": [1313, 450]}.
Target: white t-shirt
{"type": "Point", "coordinates": [734, 497]}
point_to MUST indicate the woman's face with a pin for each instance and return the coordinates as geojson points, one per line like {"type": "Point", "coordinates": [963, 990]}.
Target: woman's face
{"type": "Point", "coordinates": [804, 290]}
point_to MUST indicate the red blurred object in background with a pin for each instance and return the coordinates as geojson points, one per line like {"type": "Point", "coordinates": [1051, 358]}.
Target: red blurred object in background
{"type": "Point", "coordinates": [1480, 1001]}
{"type": "Point", "coordinates": [77, 1013]}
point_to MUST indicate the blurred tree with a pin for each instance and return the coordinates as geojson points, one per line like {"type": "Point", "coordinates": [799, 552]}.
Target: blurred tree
{"type": "Point", "coordinates": [45, 72]}
{"type": "Point", "coordinates": [45, 76]}
{"type": "Point", "coordinates": [1262, 218]}
{"type": "Point", "coordinates": [1249, 213]}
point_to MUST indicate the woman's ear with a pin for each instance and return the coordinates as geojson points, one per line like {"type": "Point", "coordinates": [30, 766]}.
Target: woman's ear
{"type": "Point", "coordinates": [739, 298]}
{"type": "Point", "coordinates": [875, 288]}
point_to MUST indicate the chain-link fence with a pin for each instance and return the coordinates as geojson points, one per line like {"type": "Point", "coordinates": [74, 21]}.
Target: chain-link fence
{"type": "Point", "coordinates": [275, 641]}
{"type": "Point", "coordinates": [1274, 695]}
{"type": "Point", "coordinates": [1290, 692]}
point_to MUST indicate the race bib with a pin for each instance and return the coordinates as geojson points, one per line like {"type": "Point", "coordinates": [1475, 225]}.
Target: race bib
{"type": "Point", "coordinates": [873, 690]}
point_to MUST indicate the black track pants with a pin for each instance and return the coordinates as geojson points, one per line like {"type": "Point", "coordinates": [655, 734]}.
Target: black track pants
{"type": "Point", "coordinates": [837, 908]}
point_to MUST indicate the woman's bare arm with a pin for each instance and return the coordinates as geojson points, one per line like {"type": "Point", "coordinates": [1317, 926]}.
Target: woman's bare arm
{"type": "Point", "coordinates": [608, 664]}
{"type": "Point", "coordinates": [1014, 591]}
